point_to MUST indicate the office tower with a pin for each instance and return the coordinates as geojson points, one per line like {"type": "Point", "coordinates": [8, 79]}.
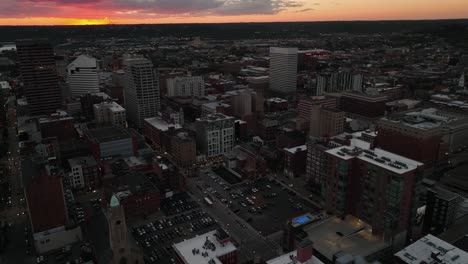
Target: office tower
{"type": "Point", "coordinates": [186, 86]}
{"type": "Point", "coordinates": [260, 86]}
{"type": "Point", "coordinates": [111, 113]}
{"type": "Point", "coordinates": [441, 210]}
{"type": "Point", "coordinates": [141, 90]}
{"type": "Point", "coordinates": [82, 76]}
{"type": "Point", "coordinates": [215, 134]}
{"type": "Point", "coordinates": [37, 67]}
{"type": "Point", "coordinates": [283, 70]}
{"type": "Point", "coordinates": [338, 82]}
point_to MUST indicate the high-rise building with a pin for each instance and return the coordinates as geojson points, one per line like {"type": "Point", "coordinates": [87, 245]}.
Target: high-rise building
{"type": "Point", "coordinates": [110, 113]}
{"type": "Point", "coordinates": [260, 86]}
{"type": "Point", "coordinates": [338, 82]}
{"type": "Point", "coordinates": [215, 134]}
{"type": "Point", "coordinates": [377, 186]}
{"type": "Point", "coordinates": [37, 66]}
{"type": "Point", "coordinates": [82, 76]}
{"type": "Point", "coordinates": [316, 169]}
{"type": "Point", "coordinates": [283, 70]}
{"type": "Point", "coordinates": [186, 86]}
{"type": "Point", "coordinates": [441, 210]}
{"type": "Point", "coordinates": [141, 90]}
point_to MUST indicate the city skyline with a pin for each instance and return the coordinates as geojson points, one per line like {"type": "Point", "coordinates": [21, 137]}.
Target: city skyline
{"type": "Point", "coordinates": [101, 12]}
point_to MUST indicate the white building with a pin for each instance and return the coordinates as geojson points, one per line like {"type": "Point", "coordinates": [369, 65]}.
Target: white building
{"type": "Point", "coordinates": [82, 76]}
{"type": "Point", "coordinates": [80, 169]}
{"type": "Point", "coordinates": [214, 247]}
{"type": "Point", "coordinates": [141, 90]}
{"type": "Point", "coordinates": [283, 70]}
{"type": "Point", "coordinates": [431, 249]}
{"type": "Point", "coordinates": [186, 86]}
{"type": "Point", "coordinates": [215, 134]}
{"type": "Point", "coordinates": [110, 112]}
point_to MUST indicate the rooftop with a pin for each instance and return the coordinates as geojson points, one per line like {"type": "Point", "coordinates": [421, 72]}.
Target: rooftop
{"type": "Point", "coordinates": [290, 258]}
{"type": "Point", "coordinates": [296, 149]}
{"type": "Point", "coordinates": [203, 249]}
{"type": "Point", "coordinates": [431, 249]}
{"type": "Point", "coordinates": [111, 105]}
{"type": "Point", "coordinates": [277, 100]}
{"type": "Point", "coordinates": [425, 119]}
{"type": "Point", "coordinates": [107, 134]}
{"type": "Point", "coordinates": [356, 237]}
{"type": "Point", "coordinates": [215, 117]}
{"type": "Point", "coordinates": [160, 124]}
{"type": "Point", "coordinates": [86, 160]}
{"type": "Point", "coordinates": [361, 149]}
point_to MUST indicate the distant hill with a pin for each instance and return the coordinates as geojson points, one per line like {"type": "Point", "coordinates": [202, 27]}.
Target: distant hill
{"type": "Point", "coordinates": [57, 34]}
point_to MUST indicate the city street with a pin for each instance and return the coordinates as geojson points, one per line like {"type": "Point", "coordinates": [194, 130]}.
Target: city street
{"type": "Point", "coordinates": [16, 215]}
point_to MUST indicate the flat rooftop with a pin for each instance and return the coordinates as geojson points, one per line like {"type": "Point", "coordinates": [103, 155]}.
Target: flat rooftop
{"type": "Point", "coordinates": [207, 248]}
{"type": "Point", "coordinates": [296, 149]}
{"type": "Point", "coordinates": [290, 258]}
{"type": "Point", "coordinates": [86, 160]}
{"type": "Point", "coordinates": [431, 249]}
{"type": "Point", "coordinates": [379, 157]}
{"type": "Point", "coordinates": [161, 124]}
{"type": "Point", "coordinates": [113, 106]}
{"type": "Point", "coordinates": [356, 238]}
{"type": "Point", "coordinates": [106, 134]}
{"type": "Point", "coordinates": [215, 117]}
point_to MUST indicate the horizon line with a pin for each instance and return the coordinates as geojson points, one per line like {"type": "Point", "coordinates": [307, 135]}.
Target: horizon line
{"type": "Point", "coordinates": [246, 22]}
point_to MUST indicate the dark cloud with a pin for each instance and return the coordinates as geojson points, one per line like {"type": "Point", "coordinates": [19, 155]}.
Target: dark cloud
{"type": "Point", "coordinates": [252, 7]}
{"type": "Point", "coordinates": [304, 10]}
{"type": "Point", "coordinates": [142, 8]}
{"type": "Point", "coordinates": [66, 2]}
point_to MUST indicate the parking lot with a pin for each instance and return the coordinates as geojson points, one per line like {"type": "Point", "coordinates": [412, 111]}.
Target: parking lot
{"type": "Point", "coordinates": [156, 238]}
{"type": "Point", "coordinates": [177, 204]}
{"type": "Point", "coordinates": [265, 204]}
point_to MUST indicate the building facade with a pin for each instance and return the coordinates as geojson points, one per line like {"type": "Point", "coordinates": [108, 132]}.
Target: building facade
{"type": "Point", "coordinates": [371, 183]}
{"type": "Point", "coordinates": [326, 122]}
{"type": "Point", "coordinates": [141, 91]}
{"type": "Point", "coordinates": [82, 76]}
{"type": "Point", "coordinates": [441, 210]}
{"type": "Point", "coordinates": [215, 134]}
{"type": "Point", "coordinates": [186, 86]}
{"type": "Point", "coordinates": [283, 70]}
{"type": "Point", "coordinates": [362, 105]}
{"type": "Point", "coordinates": [110, 113]}
{"type": "Point", "coordinates": [184, 149]}
{"type": "Point", "coordinates": [37, 67]}
{"type": "Point", "coordinates": [85, 173]}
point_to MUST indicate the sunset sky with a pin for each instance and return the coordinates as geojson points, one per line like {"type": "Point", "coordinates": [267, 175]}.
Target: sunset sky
{"type": "Point", "coordinates": [86, 12]}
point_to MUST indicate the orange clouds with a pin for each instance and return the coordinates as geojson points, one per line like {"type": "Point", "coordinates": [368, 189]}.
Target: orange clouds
{"type": "Point", "coordinates": [100, 12]}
